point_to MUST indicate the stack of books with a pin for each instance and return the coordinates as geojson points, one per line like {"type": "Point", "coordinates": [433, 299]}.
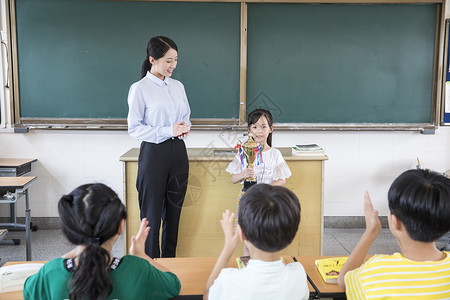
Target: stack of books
{"type": "Point", "coordinates": [310, 149]}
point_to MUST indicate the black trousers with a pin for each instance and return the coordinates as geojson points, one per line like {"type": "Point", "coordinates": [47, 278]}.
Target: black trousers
{"type": "Point", "coordinates": [163, 171]}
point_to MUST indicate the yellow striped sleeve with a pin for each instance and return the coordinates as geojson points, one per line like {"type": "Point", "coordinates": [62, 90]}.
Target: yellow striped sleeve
{"type": "Point", "coordinates": [388, 276]}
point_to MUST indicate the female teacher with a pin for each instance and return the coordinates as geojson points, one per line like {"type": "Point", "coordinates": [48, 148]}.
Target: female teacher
{"type": "Point", "coordinates": [159, 117]}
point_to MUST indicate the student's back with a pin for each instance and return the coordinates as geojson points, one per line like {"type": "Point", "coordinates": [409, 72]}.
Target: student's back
{"type": "Point", "coordinates": [269, 217]}
{"type": "Point", "coordinates": [419, 204]}
{"type": "Point", "coordinates": [261, 280]}
{"type": "Point", "coordinates": [93, 218]}
{"type": "Point", "coordinates": [133, 278]}
{"type": "Point", "coordinates": [396, 277]}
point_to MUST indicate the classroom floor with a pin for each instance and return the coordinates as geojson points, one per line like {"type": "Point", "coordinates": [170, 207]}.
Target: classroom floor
{"type": "Point", "coordinates": [48, 244]}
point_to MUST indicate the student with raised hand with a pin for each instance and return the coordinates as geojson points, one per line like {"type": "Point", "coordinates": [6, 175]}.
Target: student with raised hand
{"type": "Point", "coordinates": [419, 204]}
{"type": "Point", "coordinates": [93, 218]}
{"type": "Point", "coordinates": [269, 217]}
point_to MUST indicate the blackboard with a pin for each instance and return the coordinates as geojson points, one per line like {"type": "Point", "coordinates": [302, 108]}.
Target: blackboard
{"type": "Point", "coordinates": [77, 59]}
{"type": "Point", "coordinates": [337, 63]}
{"type": "Point", "coordinates": [310, 64]}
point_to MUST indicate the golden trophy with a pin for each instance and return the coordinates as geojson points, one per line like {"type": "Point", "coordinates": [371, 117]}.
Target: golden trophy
{"type": "Point", "coordinates": [250, 150]}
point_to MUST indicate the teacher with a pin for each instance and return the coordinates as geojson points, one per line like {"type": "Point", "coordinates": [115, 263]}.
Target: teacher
{"type": "Point", "coordinates": [159, 116]}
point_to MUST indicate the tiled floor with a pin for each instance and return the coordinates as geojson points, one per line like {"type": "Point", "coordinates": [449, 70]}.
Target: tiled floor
{"type": "Point", "coordinates": [48, 244]}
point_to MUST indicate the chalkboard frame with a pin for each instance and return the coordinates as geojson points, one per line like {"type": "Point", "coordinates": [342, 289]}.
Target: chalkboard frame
{"type": "Point", "coordinates": [239, 124]}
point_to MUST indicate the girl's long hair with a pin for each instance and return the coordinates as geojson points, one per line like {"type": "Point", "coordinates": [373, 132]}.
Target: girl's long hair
{"type": "Point", "coordinates": [254, 116]}
{"type": "Point", "coordinates": [157, 47]}
{"type": "Point", "coordinates": [91, 215]}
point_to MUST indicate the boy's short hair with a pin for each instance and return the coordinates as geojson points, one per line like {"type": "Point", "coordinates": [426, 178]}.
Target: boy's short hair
{"type": "Point", "coordinates": [420, 199]}
{"type": "Point", "coordinates": [269, 216]}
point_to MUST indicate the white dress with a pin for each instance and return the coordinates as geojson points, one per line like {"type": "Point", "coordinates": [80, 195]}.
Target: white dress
{"type": "Point", "coordinates": [272, 168]}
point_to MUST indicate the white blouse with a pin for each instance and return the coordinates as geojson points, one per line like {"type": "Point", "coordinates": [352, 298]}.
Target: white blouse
{"type": "Point", "coordinates": [154, 106]}
{"type": "Point", "coordinates": [273, 167]}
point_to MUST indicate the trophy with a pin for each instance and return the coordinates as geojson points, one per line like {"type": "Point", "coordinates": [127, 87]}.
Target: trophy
{"type": "Point", "coordinates": [251, 150]}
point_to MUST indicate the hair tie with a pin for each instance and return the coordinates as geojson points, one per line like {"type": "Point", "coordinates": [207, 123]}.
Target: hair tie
{"type": "Point", "coordinates": [93, 241]}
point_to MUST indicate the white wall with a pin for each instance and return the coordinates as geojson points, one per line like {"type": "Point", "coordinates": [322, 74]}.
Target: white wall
{"type": "Point", "coordinates": [358, 161]}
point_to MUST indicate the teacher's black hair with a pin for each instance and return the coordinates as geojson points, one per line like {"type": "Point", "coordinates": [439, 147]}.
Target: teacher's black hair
{"type": "Point", "coordinates": [157, 47]}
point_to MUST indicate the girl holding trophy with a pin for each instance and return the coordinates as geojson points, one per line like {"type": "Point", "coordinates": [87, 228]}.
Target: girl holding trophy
{"type": "Point", "coordinates": [257, 161]}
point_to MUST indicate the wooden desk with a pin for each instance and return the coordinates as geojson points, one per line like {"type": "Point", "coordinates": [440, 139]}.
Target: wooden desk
{"type": "Point", "coordinates": [210, 192]}
{"type": "Point", "coordinates": [19, 187]}
{"type": "Point", "coordinates": [193, 273]}
{"type": "Point", "coordinates": [14, 167]}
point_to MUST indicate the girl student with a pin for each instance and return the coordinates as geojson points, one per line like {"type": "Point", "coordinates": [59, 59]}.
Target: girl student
{"type": "Point", "coordinates": [272, 168]}
{"type": "Point", "coordinates": [93, 218]}
{"type": "Point", "coordinates": [159, 117]}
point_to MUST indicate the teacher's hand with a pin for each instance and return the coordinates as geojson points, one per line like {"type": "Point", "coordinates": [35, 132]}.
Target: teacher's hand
{"type": "Point", "coordinates": [180, 129]}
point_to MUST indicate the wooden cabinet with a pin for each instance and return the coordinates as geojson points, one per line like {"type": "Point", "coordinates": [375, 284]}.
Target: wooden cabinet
{"type": "Point", "coordinates": [210, 192]}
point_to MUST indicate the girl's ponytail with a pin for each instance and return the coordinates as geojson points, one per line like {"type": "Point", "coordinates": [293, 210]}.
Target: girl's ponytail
{"type": "Point", "coordinates": [91, 276]}
{"type": "Point", "coordinates": [90, 216]}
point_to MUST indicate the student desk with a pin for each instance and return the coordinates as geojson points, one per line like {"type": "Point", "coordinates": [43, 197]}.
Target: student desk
{"type": "Point", "coordinates": [324, 289]}
{"type": "Point", "coordinates": [210, 192]}
{"type": "Point", "coordinates": [18, 186]}
{"type": "Point", "coordinates": [193, 273]}
{"type": "Point", "coordinates": [14, 167]}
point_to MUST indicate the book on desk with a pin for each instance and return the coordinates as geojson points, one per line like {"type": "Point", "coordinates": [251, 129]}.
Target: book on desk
{"type": "Point", "coordinates": [307, 149]}
{"type": "Point", "coordinates": [329, 268]}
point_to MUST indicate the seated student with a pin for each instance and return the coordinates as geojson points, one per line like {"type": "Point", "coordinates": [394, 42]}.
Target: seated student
{"type": "Point", "coordinates": [269, 217]}
{"type": "Point", "coordinates": [419, 204]}
{"type": "Point", "coordinates": [93, 217]}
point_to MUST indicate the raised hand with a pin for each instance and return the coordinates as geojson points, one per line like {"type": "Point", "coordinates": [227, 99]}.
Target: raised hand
{"type": "Point", "coordinates": [138, 241]}
{"type": "Point", "coordinates": [231, 236]}
{"type": "Point", "coordinates": [373, 223]}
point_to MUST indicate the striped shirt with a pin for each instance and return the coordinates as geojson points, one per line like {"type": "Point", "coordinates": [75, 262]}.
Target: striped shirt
{"type": "Point", "coordinates": [396, 277]}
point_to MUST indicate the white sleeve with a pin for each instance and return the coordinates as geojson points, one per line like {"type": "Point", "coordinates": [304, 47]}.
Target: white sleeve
{"type": "Point", "coordinates": [187, 114]}
{"type": "Point", "coordinates": [235, 166]}
{"type": "Point", "coordinates": [282, 170]}
{"type": "Point", "coordinates": [136, 123]}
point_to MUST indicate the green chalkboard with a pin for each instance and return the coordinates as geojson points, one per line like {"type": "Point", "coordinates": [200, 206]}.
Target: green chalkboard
{"type": "Point", "coordinates": [77, 59]}
{"type": "Point", "coordinates": [337, 63]}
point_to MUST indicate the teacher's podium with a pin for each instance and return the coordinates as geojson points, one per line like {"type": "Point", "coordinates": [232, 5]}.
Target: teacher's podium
{"type": "Point", "coordinates": [210, 192]}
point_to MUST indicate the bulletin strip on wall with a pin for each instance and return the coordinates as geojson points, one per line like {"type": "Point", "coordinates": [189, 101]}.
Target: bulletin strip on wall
{"type": "Point", "coordinates": [239, 122]}
{"type": "Point", "coordinates": [445, 107]}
